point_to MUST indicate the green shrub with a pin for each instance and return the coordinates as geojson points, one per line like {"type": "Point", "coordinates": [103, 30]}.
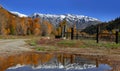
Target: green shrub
{"type": "Point", "coordinates": [67, 43]}
{"type": "Point", "coordinates": [32, 42]}
{"type": "Point", "coordinates": [40, 48]}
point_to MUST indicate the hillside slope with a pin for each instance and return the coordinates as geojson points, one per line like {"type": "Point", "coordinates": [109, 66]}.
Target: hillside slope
{"type": "Point", "coordinates": [110, 26]}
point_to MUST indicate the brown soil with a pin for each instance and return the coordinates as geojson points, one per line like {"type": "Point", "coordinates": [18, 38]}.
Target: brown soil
{"type": "Point", "coordinates": [13, 46]}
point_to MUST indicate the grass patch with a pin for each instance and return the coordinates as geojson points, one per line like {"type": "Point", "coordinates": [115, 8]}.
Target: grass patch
{"type": "Point", "coordinates": [40, 48]}
{"type": "Point", "coordinates": [83, 43]}
{"type": "Point", "coordinates": [112, 45]}
{"type": "Point", "coordinates": [82, 46]}
{"type": "Point", "coordinates": [69, 43]}
{"type": "Point", "coordinates": [92, 43]}
{"type": "Point", "coordinates": [46, 48]}
{"type": "Point", "coordinates": [32, 42]}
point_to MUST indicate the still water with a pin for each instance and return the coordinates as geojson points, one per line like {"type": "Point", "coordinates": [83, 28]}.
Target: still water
{"type": "Point", "coordinates": [51, 62]}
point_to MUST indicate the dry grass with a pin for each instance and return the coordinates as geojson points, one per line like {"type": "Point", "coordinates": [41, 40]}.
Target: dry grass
{"type": "Point", "coordinates": [19, 37]}
{"type": "Point", "coordinates": [75, 46]}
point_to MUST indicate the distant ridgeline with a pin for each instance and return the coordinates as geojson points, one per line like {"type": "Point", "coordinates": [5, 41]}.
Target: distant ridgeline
{"type": "Point", "coordinates": [105, 27]}
{"type": "Point", "coordinates": [14, 23]}
{"type": "Point", "coordinates": [80, 21]}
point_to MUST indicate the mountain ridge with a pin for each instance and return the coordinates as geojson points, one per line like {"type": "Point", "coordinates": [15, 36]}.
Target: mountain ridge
{"type": "Point", "coordinates": [53, 15]}
{"type": "Point", "coordinates": [66, 15]}
{"type": "Point", "coordinates": [80, 21]}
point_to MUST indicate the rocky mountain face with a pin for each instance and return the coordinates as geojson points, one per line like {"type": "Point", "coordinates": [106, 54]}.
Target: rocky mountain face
{"type": "Point", "coordinates": [80, 21]}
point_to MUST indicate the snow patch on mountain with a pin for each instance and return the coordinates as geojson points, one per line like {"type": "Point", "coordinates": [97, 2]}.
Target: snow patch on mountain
{"type": "Point", "coordinates": [63, 16]}
{"type": "Point", "coordinates": [18, 14]}
{"type": "Point", "coordinates": [81, 21]}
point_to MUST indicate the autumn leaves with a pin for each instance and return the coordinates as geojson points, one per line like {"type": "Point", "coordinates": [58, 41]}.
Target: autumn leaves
{"type": "Point", "coordinates": [13, 25]}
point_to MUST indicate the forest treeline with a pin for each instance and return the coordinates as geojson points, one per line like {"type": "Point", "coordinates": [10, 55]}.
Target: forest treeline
{"type": "Point", "coordinates": [105, 27]}
{"type": "Point", "coordinates": [11, 24]}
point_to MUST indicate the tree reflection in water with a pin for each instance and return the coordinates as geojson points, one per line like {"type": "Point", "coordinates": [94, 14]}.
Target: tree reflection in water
{"type": "Point", "coordinates": [50, 62]}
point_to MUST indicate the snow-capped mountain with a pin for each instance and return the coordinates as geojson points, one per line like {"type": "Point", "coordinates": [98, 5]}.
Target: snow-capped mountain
{"type": "Point", "coordinates": [80, 20]}
{"type": "Point", "coordinates": [19, 14]}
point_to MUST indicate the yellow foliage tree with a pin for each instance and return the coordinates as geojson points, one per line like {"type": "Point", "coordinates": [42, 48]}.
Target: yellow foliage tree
{"type": "Point", "coordinates": [36, 26]}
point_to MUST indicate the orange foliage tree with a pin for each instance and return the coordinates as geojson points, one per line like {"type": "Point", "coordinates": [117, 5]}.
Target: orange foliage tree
{"type": "Point", "coordinates": [4, 17]}
{"type": "Point", "coordinates": [46, 28]}
{"type": "Point", "coordinates": [36, 26]}
{"type": "Point", "coordinates": [29, 26]}
{"type": "Point", "coordinates": [61, 29]}
{"type": "Point", "coordinates": [12, 26]}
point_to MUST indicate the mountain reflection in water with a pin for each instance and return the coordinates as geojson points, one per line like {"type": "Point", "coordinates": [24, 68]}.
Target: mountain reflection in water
{"type": "Point", "coordinates": [50, 62]}
{"type": "Point", "coordinates": [101, 67]}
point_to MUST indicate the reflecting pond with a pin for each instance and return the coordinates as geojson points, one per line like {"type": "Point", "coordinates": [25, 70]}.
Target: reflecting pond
{"type": "Point", "coordinates": [52, 62]}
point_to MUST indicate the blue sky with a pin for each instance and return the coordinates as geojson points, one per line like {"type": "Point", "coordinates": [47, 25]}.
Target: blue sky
{"type": "Point", "coordinates": [104, 10]}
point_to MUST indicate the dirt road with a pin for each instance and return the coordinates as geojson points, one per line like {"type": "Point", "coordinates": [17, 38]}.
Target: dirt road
{"type": "Point", "coordinates": [12, 46]}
